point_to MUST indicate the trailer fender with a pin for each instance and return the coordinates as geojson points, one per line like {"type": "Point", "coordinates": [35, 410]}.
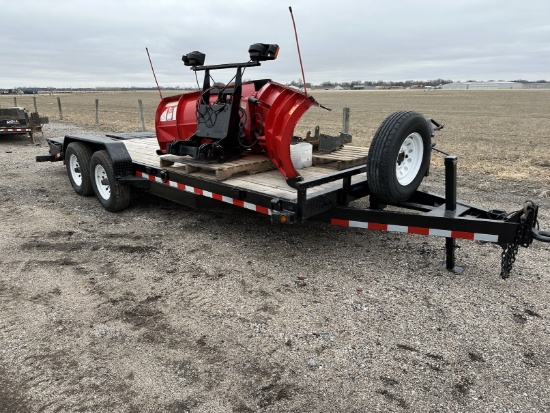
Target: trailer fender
{"type": "Point", "coordinates": [121, 159]}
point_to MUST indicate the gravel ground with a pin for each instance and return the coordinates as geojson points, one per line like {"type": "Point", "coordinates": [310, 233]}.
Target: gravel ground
{"type": "Point", "coordinates": [161, 308]}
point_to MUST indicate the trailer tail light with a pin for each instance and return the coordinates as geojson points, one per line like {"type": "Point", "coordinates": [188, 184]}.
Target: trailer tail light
{"type": "Point", "coordinates": [283, 217]}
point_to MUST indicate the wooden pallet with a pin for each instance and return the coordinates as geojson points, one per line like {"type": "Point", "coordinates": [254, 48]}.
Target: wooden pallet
{"type": "Point", "coordinates": [247, 162]}
{"type": "Point", "coordinates": [144, 150]}
{"type": "Point", "coordinates": [343, 158]}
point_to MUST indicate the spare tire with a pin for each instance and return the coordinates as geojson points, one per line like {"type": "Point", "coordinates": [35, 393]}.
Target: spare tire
{"type": "Point", "coordinates": [399, 156]}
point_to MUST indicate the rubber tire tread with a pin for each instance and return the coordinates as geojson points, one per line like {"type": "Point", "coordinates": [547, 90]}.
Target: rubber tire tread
{"type": "Point", "coordinates": [83, 154]}
{"type": "Point", "coordinates": [120, 194]}
{"type": "Point", "coordinates": [382, 157]}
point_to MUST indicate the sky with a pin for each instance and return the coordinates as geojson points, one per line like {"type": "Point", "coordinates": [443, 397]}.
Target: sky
{"type": "Point", "coordinates": [101, 43]}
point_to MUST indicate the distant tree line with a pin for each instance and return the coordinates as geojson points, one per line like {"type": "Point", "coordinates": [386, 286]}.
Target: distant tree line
{"type": "Point", "coordinates": [36, 90]}
{"type": "Point", "coordinates": [296, 83]}
{"type": "Point", "coordinates": [402, 83]}
{"type": "Point", "coordinates": [390, 84]}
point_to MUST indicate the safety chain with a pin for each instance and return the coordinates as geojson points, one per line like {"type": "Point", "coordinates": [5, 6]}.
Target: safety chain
{"type": "Point", "coordinates": [508, 258]}
{"type": "Point", "coordinates": [509, 251]}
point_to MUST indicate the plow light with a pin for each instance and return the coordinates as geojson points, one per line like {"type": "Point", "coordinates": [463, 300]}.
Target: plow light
{"type": "Point", "coordinates": [260, 52]}
{"type": "Point", "coordinates": [193, 59]}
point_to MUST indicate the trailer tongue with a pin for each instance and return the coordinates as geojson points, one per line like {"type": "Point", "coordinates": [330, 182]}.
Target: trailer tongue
{"type": "Point", "coordinates": [221, 144]}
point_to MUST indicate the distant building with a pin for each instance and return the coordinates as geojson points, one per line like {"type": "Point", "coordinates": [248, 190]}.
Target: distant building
{"type": "Point", "coordinates": [12, 92]}
{"type": "Point", "coordinates": [362, 87]}
{"type": "Point", "coordinates": [482, 85]}
{"type": "Point", "coordinates": [545, 85]}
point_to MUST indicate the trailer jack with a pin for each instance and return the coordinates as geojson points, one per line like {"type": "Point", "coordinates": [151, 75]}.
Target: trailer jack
{"type": "Point", "coordinates": [526, 231]}
{"type": "Point", "coordinates": [450, 205]}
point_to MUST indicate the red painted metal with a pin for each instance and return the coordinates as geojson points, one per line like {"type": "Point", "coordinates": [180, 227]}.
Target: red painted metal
{"type": "Point", "coordinates": [286, 107]}
{"type": "Point", "coordinates": [176, 118]}
{"type": "Point", "coordinates": [269, 123]}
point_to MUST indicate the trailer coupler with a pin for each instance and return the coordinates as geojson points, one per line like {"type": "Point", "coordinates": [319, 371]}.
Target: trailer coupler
{"type": "Point", "coordinates": [525, 234]}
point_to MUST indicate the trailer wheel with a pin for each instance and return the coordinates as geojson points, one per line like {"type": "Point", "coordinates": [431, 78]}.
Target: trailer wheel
{"type": "Point", "coordinates": [77, 162]}
{"type": "Point", "coordinates": [399, 156]}
{"type": "Point", "coordinates": [109, 191]}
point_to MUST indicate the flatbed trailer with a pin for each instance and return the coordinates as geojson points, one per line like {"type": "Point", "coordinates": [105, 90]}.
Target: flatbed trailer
{"type": "Point", "coordinates": [116, 162]}
{"type": "Point", "coordinates": [233, 144]}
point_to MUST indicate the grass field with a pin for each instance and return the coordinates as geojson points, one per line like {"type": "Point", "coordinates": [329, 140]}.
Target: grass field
{"type": "Point", "coordinates": [505, 133]}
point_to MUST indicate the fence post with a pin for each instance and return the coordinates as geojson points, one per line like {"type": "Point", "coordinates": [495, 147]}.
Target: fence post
{"type": "Point", "coordinates": [345, 122]}
{"type": "Point", "coordinates": [97, 111]}
{"type": "Point", "coordinates": [141, 115]}
{"type": "Point", "coordinates": [35, 105]}
{"type": "Point", "coordinates": [15, 101]}
{"type": "Point", "coordinates": [60, 110]}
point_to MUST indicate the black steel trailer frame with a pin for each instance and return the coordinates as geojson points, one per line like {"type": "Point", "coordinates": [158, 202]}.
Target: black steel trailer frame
{"type": "Point", "coordinates": [424, 213]}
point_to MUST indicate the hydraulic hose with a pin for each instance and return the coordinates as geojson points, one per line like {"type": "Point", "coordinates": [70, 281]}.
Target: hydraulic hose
{"type": "Point", "coordinates": [543, 236]}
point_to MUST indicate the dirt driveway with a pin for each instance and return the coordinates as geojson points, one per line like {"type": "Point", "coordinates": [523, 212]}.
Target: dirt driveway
{"type": "Point", "coordinates": [161, 308]}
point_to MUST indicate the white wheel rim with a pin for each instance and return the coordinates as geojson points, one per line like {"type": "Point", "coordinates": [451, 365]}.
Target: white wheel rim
{"type": "Point", "coordinates": [102, 182]}
{"type": "Point", "coordinates": [74, 167]}
{"type": "Point", "coordinates": [409, 159]}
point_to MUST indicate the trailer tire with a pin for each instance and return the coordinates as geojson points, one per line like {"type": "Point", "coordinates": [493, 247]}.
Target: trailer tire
{"type": "Point", "coordinates": [109, 191]}
{"type": "Point", "coordinates": [77, 161]}
{"type": "Point", "coordinates": [399, 156]}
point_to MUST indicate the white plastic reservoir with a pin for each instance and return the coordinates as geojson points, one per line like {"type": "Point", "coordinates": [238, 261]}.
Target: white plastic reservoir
{"type": "Point", "coordinates": [301, 155]}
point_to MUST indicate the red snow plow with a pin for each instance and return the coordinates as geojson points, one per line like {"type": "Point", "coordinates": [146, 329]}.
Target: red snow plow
{"type": "Point", "coordinates": [219, 123]}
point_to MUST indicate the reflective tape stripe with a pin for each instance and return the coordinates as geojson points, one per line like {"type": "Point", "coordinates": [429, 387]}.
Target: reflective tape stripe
{"type": "Point", "coordinates": [15, 129]}
{"type": "Point", "coordinates": [207, 194]}
{"type": "Point", "coordinates": [473, 236]}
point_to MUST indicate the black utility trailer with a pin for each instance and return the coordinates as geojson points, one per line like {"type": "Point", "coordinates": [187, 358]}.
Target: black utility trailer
{"type": "Point", "coordinates": [109, 165]}
{"type": "Point", "coordinates": [17, 121]}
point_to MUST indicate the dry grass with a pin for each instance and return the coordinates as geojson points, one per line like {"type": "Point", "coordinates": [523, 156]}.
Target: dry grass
{"type": "Point", "coordinates": [118, 111]}
{"type": "Point", "coordinates": [503, 133]}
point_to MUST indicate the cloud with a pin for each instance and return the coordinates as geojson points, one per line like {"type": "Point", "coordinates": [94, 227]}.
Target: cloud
{"type": "Point", "coordinates": [93, 43]}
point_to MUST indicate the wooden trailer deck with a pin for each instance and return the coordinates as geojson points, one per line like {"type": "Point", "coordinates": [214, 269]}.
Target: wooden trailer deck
{"type": "Point", "coordinates": [251, 171]}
